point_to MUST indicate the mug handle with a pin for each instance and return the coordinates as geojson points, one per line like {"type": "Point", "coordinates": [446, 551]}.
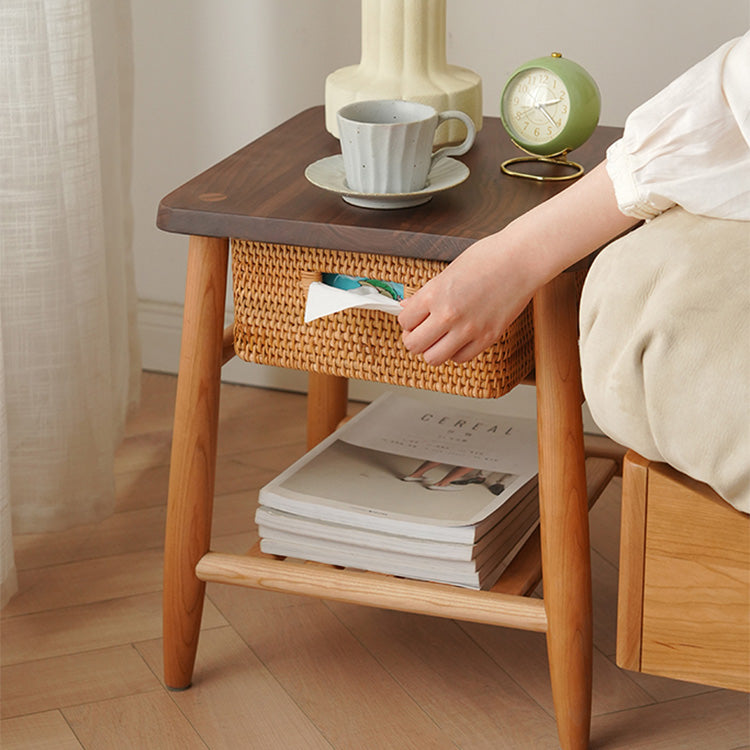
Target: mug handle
{"type": "Point", "coordinates": [467, 143]}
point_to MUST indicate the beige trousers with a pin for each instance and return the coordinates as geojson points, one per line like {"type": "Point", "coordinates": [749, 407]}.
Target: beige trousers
{"type": "Point", "coordinates": [665, 347]}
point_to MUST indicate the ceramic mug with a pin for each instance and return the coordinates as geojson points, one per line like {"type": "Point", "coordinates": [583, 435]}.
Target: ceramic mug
{"type": "Point", "coordinates": [387, 144]}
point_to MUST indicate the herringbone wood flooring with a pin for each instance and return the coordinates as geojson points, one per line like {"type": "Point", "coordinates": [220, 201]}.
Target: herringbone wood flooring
{"type": "Point", "coordinates": [81, 648]}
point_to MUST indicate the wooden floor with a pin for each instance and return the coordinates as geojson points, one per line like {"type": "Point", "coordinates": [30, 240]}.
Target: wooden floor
{"type": "Point", "coordinates": [81, 647]}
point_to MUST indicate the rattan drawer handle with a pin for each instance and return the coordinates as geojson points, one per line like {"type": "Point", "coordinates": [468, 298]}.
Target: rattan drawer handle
{"type": "Point", "coordinates": [308, 277]}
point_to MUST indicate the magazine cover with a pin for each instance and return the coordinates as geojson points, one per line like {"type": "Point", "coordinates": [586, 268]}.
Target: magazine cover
{"type": "Point", "coordinates": [404, 465]}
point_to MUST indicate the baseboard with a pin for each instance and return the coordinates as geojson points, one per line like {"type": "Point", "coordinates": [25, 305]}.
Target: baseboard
{"type": "Point", "coordinates": [160, 329]}
{"type": "Point", "coordinates": [160, 326]}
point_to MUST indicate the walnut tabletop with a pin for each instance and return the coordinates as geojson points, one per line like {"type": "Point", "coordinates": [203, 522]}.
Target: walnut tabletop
{"type": "Point", "coordinates": [261, 193]}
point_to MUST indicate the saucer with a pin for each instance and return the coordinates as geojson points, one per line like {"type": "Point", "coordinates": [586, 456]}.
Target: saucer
{"type": "Point", "coordinates": [329, 174]}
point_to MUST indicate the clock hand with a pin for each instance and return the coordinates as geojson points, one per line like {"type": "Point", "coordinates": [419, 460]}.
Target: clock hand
{"type": "Point", "coordinates": [541, 108]}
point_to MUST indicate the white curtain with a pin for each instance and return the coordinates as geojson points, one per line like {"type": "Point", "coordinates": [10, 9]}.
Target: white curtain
{"type": "Point", "coordinates": [69, 358]}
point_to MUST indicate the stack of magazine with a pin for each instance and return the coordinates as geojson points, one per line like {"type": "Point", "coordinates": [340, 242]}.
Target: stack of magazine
{"type": "Point", "coordinates": [411, 489]}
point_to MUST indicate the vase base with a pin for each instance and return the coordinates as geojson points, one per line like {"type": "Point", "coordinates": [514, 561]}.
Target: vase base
{"type": "Point", "coordinates": [453, 88]}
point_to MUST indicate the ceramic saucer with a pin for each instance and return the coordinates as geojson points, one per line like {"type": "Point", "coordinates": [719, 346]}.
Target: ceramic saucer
{"type": "Point", "coordinates": [329, 174]}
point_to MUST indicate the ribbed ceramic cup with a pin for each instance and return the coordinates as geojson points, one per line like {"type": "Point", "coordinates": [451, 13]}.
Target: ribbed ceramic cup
{"type": "Point", "coordinates": [387, 144]}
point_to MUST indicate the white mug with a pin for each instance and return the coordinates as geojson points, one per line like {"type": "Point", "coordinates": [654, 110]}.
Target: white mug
{"type": "Point", "coordinates": [387, 144]}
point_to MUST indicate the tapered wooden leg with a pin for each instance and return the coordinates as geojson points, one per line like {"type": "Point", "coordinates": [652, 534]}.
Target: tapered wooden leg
{"type": "Point", "coordinates": [193, 461]}
{"type": "Point", "coordinates": [566, 562]}
{"type": "Point", "coordinates": [327, 399]}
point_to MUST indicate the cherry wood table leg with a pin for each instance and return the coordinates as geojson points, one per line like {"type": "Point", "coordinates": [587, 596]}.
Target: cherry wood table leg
{"type": "Point", "coordinates": [193, 460]}
{"type": "Point", "coordinates": [327, 400]}
{"type": "Point", "coordinates": [566, 561]}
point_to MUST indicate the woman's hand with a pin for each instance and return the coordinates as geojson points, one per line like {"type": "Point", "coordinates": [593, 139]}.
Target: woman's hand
{"type": "Point", "coordinates": [465, 309]}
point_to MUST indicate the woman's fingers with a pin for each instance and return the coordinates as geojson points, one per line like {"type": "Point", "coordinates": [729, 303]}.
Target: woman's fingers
{"type": "Point", "coordinates": [437, 326]}
{"type": "Point", "coordinates": [420, 338]}
{"type": "Point", "coordinates": [464, 309]}
{"type": "Point", "coordinates": [412, 315]}
{"type": "Point", "coordinates": [443, 350]}
{"type": "Point", "coordinates": [439, 342]}
{"type": "Point", "coordinates": [467, 352]}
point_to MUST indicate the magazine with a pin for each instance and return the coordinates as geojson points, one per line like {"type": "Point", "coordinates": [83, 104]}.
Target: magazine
{"type": "Point", "coordinates": [411, 489]}
{"type": "Point", "coordinates": [271, 522]}
{"type": "Point", "coordinates": [456, 573]}
{"type": "Point", "coordinates": [402, 466]}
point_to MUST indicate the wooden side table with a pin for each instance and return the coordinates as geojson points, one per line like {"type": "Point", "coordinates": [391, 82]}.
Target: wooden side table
{"type": "Point", "coordinates": [260, 193]}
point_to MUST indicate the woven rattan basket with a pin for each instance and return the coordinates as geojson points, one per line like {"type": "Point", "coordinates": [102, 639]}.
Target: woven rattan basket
{"type": "Point", "coordinates": [270, 288]}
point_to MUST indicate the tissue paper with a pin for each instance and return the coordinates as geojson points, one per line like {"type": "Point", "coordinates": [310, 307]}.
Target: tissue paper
{"type": "Point", "coordinates": [325, 300]}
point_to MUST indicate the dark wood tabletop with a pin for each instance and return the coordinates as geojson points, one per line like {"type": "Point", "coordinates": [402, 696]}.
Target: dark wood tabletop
{"type": "Point", "coordinates": [261, 193]}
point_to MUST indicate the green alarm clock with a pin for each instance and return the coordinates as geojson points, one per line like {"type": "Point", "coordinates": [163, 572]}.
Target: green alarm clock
{"type": "Point", "coordinates": [549, 106]}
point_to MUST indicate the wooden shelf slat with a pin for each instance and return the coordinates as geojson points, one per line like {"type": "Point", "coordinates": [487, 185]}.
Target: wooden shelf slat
{"type": "Point", "coordinates": [258, 570]}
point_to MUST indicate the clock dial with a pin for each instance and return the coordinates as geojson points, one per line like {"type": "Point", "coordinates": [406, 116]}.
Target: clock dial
{"type": "Point", "coordinates": [549, 106]}
{"type": "Point", "coordinates": [536, 104]}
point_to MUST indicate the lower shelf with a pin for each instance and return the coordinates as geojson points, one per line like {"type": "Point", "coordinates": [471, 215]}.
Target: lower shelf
{"type": "Point", "coordinates": [506, 604]}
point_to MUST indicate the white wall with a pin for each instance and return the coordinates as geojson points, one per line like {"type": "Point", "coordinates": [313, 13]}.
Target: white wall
{"type": "Point", "coordinates": [212, 76]}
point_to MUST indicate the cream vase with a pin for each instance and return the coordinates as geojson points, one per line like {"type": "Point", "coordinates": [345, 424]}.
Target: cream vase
{"type": "Point", "coordinates": [403, 57]}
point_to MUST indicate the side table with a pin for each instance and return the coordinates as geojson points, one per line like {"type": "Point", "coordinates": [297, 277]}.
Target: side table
{"type": "Point", "coordinates": [260, 194]}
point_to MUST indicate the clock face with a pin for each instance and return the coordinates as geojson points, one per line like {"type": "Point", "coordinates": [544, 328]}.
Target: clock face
{"type": "Point", "coordinates": [535, 105]}
{"type": "Point", "coordinates": [550, 105]}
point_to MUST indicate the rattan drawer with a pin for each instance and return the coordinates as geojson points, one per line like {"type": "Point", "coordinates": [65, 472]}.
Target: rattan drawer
{"type": "Point", "coordinates": [270, 287]}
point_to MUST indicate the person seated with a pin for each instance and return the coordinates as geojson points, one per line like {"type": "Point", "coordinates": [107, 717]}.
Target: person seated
{"type": "Point", "coordinates": [664, 321]}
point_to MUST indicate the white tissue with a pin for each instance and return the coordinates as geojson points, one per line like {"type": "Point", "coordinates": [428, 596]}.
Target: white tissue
{"type": "Point", "coordinates": [325, 300]}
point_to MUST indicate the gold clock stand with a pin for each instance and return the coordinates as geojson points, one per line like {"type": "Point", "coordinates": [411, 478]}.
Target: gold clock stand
{"type": "Point", "coordinates": [559, 159]}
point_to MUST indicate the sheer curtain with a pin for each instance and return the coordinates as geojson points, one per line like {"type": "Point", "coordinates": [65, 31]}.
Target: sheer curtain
{"type": "Point", "coordinates": [69, 359]}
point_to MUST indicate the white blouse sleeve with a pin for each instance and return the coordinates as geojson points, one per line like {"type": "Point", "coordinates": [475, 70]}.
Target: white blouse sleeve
{"type": "Point", "coordinates": [690, 144]}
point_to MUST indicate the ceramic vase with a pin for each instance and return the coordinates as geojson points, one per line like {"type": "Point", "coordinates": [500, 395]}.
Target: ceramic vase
{"type": "Point", "coordinates": [404, 57]}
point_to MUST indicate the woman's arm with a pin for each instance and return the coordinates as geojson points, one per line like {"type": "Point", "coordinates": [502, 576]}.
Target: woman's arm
{"type": "Point", "coordinates": [687, 145]}
{"type": "Point", "coordinates": [465, 309]}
